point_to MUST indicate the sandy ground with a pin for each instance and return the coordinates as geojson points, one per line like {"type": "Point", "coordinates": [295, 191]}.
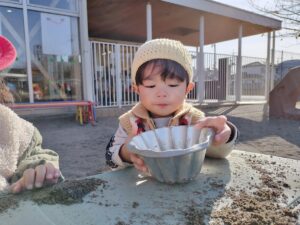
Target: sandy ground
{"type": "Point", "coordinates": [82, 148]}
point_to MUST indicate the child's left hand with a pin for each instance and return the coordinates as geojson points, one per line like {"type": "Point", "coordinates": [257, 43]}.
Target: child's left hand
{"type": "Point", "coordinates": [219, 125]}
{"type": "Point", "coordinates": [36, 178]}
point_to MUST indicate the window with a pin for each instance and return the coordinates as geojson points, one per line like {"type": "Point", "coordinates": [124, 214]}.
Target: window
{"type": "Point", "coordinates": [55, 59]}
{"type": "Point", "coordinates": [11, 0]}
{"type": "Point", "coordinates": [12, 27]}
{"type": "Point", "coordinates": [70, 5]}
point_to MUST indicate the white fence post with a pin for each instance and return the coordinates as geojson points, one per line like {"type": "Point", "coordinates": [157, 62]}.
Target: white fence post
{"type": "Point", "coordinates": [267, 78]}
{"type": "Point", "coordinates": [238, 79]}
{"type": "Point", "coordinates": [118, 75]}
{"type": "Point", "coordinates": [272, 75]}
{"type": "Point", "coordinates": [200, 64]}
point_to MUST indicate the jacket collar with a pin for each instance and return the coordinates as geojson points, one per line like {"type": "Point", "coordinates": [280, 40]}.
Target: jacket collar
{"type": "Point", "coordinates": [141, 112]}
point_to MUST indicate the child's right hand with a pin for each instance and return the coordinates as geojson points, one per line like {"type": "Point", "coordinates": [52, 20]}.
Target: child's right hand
{"type": "Point", "coordinates": [36, 178]}
{"type": "Point", "coordinates": [138, 163]}
{"type": "Point", "coordinates": [130, 157]}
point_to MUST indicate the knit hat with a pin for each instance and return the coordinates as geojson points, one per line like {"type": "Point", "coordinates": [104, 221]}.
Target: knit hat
{"type": "Point", "coordinates": [7, 53]}
{"type": "Point", "coordinates": [162, 49]}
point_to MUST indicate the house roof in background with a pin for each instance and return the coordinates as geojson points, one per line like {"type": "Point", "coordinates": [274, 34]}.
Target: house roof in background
{"type": "Point", "coordinates": [176, 19]}
{"type": "Point", "coordinates": [254, 64]}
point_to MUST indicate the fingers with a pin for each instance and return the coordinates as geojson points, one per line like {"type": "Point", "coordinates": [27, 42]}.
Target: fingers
{"type": "Point", "coordinates": [46, 173]}
{"type": "Point", "coordinates": [215, 122]}
{"type": "Point", "coordinates": [124, 153]}
{"type": "Point", "coordinates": [223, 136]}
{"type": "Point", "coordinates": [25, 182]}
{"type": "Point", "coordinates": [29, 176]}
{"type": "Point", "coordinates": [18, 186]}
{"type": "Point", "coordinates": [134, 131]}
{"type": "Point", "coordinates": [138, 163]}
{"type": "Point", "coordinates": [52, 173]}
{"type": "Point", "coordinates": [40, 172]}
{"type": "Point", "coordinates": [36, 178]}
{"type": "Point", "coordinates": [218, 124]}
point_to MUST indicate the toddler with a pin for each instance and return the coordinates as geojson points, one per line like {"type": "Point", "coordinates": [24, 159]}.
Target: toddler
{"type": "Point", "coordinates": [162, 77]}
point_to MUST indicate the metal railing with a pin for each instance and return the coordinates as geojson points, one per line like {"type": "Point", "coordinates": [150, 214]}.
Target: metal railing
{"type": "Point", "coordinates": [112, 78]}
{"type": "Point", "coordinates": [253, 78]}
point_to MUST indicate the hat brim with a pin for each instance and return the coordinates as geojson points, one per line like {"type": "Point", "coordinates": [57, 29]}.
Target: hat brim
{"type": "Point", "coordinates": [7, 53]}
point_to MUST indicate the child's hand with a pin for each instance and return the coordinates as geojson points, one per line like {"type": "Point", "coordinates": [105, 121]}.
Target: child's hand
{"type": "Point", "coordinates": [138, 163]}
{"type": "Point", "coordinates": [127, 156]}
{"type": "Point", "coordinates": [219, 125]}
{"type": "Point", "coordinates": [130, 157]}
{"type": "Point", "coordinates": [36, 178]}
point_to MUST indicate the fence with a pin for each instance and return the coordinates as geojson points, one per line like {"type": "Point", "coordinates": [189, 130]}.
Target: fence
{"type": "Point", "coordinates": [253, 78]}
{"type": "Point", "coordinates": [112, 78]}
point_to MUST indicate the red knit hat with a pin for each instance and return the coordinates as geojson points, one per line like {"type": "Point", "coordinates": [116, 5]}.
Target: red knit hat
{"type": "Point", "coordinates": [8, 53]}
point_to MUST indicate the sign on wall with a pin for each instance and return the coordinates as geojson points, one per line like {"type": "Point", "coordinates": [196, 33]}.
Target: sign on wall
{"type": "Point", "coordinates": [56, 34]}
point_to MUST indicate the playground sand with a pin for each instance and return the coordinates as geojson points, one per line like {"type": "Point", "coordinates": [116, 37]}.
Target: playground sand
{"type": "Point", "coordinates": [82, 148]}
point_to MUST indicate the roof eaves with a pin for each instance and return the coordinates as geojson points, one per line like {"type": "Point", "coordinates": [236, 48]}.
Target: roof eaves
{"type": "Point", "coordinates": [229, 11]}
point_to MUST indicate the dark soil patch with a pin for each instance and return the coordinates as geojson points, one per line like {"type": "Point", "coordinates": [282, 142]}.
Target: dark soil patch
{"type": "Point", "coordinates": [65, 193]}
{"type": "Point", "coordinates": [135, 204]}
{"type": "Point", "coordinates": [194, 216]}
{"type": "Point", "coordinates": [121, 223]}
{"type": "Point", "coordinates": [9, 202]}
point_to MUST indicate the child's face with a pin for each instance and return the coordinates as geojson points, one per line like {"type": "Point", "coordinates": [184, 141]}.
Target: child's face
{"type": "Point", "coordinates": [161, 98]}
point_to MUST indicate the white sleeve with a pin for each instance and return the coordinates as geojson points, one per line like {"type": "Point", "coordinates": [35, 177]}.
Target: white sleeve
{"type": "Point", "coordinates": [225, 149]}
{"type": "Point", "coordinates": [113, 158]}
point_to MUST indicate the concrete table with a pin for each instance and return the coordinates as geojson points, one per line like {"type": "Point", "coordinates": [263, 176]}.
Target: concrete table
{"type": "Point", "coordinates": [129, 198]}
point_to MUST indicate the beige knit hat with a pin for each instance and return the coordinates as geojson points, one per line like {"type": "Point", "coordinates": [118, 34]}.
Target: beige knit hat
{"type": "Point", "coordinates": [162, 49]}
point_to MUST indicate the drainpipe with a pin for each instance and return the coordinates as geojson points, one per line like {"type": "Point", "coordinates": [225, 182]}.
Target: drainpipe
{"type": "Point", "coordinates": [149, 21]}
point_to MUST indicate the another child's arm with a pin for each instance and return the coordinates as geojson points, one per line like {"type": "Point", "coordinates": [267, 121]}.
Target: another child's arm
{"type": "Point", "coordinates": [36, 167]}
{"type": "Point", "coordinates": [225, 135]}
